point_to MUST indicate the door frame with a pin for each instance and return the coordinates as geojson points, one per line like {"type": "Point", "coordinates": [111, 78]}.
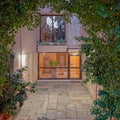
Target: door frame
{"type": "Point", "coordinates": [69, 55]}
{"type": "Point", "coordinates": [68, 68]}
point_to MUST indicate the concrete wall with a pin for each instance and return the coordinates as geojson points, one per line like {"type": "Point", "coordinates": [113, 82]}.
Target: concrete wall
{"type": "Point", "coordinates": [25, 53]}
{"type": "Point", "coordinates": [31, 74]}
{"type": "Point", "coordinates": [28, 40]}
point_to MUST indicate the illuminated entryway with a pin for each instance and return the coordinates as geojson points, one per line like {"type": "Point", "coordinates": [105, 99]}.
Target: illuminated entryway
{"type": "Point", "coordinates": [74, 68]}
{"type": "Point", "coordinates": [59, 65]}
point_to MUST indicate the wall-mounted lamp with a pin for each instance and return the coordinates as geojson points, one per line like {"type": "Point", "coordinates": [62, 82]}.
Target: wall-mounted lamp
{"type": "Point", "coordinates": [23, 60]}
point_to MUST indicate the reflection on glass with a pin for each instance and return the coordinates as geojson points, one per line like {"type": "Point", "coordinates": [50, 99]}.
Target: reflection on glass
{"type": "Point", "coordinates": [49, 22]}
{"type": "Point", "coordinates": [46, 28]}
{"type": "Point", "coordinates": [74, 66]}
{"type": "Point", "coordinates": [74, 61]}
{"type": "Point", "coordinates": [74, 73]}
{"type": "Point", "coordinates": [62, 69]}
{"type": "Point", "coordinates": [47, 71]}
{"type": "Point", "coordinates": [46, 58]}
{"type": "Point", "coordinates": [59, 28]}
{"type": "Point", "coordinates": [53, 73]}
{"type": "Point", "coordinates": [52, 28]}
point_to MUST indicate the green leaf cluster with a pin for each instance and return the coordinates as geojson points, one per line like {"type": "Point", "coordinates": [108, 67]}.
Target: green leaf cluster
{"type": "Point", "coordinates": [13, 16]}
{"type": "Point", "coordinates": [53, 63]}
{"type": "Point", "coordinates": [14, 92]}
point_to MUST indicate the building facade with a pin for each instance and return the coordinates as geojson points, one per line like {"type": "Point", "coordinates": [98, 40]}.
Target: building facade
{"type": "Point", "coordinates": [51, 51]}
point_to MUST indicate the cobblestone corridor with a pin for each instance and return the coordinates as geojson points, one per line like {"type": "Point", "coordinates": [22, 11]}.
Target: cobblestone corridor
{"type": "Point", "coordinates": [55, 100]}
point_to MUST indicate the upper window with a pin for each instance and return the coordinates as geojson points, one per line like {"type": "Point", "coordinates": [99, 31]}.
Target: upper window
{"type": "Point", "coordinates": [52, 28]}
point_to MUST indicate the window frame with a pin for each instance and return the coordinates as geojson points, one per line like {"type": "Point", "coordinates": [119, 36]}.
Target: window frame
{"type": "Point", "coordinates": [52, 27]}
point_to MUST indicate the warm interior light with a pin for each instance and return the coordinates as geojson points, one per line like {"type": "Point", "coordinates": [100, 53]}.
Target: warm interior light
{"type": "Point", "coordinates": [74, 53]}
{"type": "Point", "coordinates": [23, 60]}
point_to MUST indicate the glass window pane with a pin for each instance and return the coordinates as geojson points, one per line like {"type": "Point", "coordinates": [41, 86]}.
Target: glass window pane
{"type": "Point", "coordinates": [63, 59]}
{"type": "Point", "coordinates": [74, 61]}
{"type": "Point", "coordinates": [61, 73]}
{"type": "Point", "coordinates": [45, 73]}
{"type": "Point", "coordinates": [46, 28]}
{"type": "Point", "coordinates": [53, 29]}
{"type": "Point", "coordinates": [46, 58]}
{"type": "Point", "coordinates": [74, 73]}
{"type": "Point", "coordinates": [53, 73]}
{"type": "Point", "coordinates": [58, 28]}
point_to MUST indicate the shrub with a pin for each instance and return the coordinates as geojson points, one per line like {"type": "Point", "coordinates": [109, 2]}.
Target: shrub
{"type": "Point", "coordinates": [14, 92]}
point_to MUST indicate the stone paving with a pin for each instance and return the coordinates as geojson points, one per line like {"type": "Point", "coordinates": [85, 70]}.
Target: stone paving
{"type": "Point", "coordinates": [55, 100]}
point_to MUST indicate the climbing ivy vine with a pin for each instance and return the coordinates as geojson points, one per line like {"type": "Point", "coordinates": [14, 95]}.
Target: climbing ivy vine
{"type": "Point", "coordinates": [101, 20]}
{"type": "Point", "coordinates": [14, 14]}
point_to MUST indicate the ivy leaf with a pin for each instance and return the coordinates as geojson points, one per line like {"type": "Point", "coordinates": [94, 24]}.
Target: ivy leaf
{"type": "Point", "coordinates": [101, 12]}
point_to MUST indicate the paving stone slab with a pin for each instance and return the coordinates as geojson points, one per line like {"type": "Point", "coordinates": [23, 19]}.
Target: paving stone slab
{"type": "Point", "coordinates": [57, 101]}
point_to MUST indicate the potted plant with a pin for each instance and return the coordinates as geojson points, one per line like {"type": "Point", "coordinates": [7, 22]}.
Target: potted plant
{"type": "Point", "coordinates": [53, 64]}
{"type": "Point", "coordinates": [14, 92]}
{"type": "Point", "coordinates": [60, 42]}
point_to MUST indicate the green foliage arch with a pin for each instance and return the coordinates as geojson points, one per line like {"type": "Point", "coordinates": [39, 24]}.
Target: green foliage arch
{"type": "Point", "coordinates": [101, 19]}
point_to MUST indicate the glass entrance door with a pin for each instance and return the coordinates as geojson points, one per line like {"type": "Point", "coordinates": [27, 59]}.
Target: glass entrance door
{"type": "Point", "coordinates": [74, 66]}
{"type": "Point", "coordinates": [68, 66]}
{"type": "Point", "coordinates": [48, 69]}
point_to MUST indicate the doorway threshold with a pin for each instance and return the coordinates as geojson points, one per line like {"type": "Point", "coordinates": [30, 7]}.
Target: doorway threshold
{"type": "Point", "coordinates": [60, 80]}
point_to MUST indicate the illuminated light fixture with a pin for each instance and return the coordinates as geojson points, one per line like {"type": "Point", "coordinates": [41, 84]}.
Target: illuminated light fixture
{"type": "Point", "coordinates": [23, 60]}
{"type": "Point", "coordinates": [75, 53]}
{"type": "Point", "coordinates": [19, 59]}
